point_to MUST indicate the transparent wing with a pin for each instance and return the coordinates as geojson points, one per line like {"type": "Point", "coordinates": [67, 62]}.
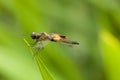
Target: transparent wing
{"type": "Point", "coordinates": [39, 45]}
{"type": "Point", "coordinates": [69, 42]}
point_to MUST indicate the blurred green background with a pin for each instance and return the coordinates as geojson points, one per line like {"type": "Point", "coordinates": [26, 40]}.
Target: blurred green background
{"type": "Point", "coordinates": [95, 24]}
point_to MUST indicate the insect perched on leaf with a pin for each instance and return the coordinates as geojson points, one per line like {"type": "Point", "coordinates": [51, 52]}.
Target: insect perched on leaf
{"type": "Point", "coordinates": [40, 38]}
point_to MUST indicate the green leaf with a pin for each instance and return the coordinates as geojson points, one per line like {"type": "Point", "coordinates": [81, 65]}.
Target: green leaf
{"type": "Point", "coordinates": [43, 69]}
{"type": "Point", "coordinates": [111, 55]}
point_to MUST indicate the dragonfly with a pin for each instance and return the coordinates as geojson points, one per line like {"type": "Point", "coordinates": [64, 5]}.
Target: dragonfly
{"type": "Point", "coordinates": [40, 38]}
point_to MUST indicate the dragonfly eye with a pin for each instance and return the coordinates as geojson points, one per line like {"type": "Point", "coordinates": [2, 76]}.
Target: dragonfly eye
{"type": "Point", "coordinates": [33, 35]}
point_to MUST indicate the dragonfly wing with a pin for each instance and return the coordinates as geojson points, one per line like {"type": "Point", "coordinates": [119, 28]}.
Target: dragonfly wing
{"type": "Point", "coordinates": [69, 42]}
{"type": "Point", "coordinates": [40, 44]}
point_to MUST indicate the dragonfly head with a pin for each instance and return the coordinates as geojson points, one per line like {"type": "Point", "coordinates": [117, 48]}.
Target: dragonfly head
{"type": "Point", "coordinates": [34, 35]}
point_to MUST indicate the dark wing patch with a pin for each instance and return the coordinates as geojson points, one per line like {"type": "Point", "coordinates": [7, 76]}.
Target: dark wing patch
{"type": "Point", "coordinates": [63, 36]}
